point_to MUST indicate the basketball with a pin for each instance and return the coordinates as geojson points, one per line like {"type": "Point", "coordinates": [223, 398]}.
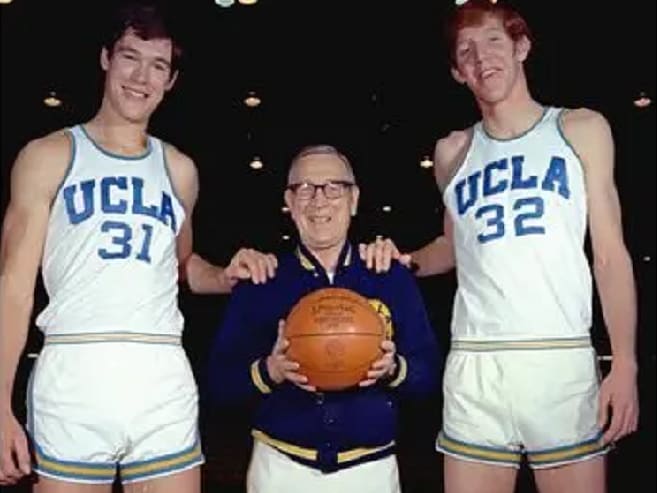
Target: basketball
{"type": "Point", "coordinates": [335, 335]}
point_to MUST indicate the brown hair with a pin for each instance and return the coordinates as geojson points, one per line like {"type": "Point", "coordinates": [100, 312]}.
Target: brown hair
{"type": "Point", "coordinates": [148, 21]}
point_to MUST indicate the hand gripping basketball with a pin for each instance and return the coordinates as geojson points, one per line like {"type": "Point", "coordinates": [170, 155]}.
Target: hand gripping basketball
{"type": "Point", "coordinates": [335, 335]}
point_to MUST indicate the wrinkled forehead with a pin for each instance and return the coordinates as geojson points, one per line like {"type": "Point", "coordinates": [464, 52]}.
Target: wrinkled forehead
{"type": "Point", "coordinates": [319, 168]}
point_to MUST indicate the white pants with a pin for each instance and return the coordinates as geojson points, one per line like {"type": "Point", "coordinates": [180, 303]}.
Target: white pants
{"type": "Point", "coordinates": [271, 471]}
{"type": "Point", "coordinates": [98, 407]}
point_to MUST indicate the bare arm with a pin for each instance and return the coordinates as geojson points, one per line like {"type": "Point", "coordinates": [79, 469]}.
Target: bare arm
{"type": "Point", "coordinates": [591, 137]}
{"type": "Point", "coordinates": [36, 174]}
{"type": "Point", "coordinates": [202, 276]}
{"type": "Point", "coordinates": [206, 278]}
{"type": "Point", "coordinates": [438, 256]}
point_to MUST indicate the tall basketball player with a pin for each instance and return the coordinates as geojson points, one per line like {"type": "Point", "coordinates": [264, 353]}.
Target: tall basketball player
{"type": "Point", "coordinates": [105, 209]}
{"type": "Point", "coordinates": [520, 188]}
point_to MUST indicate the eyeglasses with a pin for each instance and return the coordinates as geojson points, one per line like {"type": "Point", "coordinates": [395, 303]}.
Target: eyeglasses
{"type": "Point", "coordinates": [333, 189]}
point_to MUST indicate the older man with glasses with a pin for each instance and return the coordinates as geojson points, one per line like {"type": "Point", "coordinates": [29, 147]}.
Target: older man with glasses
{"type": "Point", "coordinates": [305, 440]}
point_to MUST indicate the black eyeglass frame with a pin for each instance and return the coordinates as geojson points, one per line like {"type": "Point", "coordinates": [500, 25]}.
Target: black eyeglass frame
{"type": "Point", "coordinates": [344, 186]}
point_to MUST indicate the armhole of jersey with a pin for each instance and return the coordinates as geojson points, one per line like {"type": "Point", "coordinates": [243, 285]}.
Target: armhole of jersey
{"type": "Point", "coordinates": [559, 119]}
{"type": "Point", "coordinates": [165, 162]}
{"type": "Point", "coordinates": [73, 149]}
{"type": "Point", "coordinates": [458, 161]}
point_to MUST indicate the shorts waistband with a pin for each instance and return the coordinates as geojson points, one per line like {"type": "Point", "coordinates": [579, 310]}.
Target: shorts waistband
{"type": "Point", "coordinates": [112, 337]}
{"type": "Point", "coordinates": [522, 345]}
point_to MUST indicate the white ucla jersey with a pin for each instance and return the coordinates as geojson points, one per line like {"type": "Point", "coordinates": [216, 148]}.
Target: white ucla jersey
{"type": "Point", "coordinates": [109, 261]}
{"type": "Point", "coordinates": [519, 209]}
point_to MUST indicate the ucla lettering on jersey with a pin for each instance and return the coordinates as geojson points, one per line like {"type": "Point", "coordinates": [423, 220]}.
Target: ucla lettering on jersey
{"type": "Point", "coordinates": [114, 202]}
{"type": "Point", "coordinates": [109, 262]}
{"type": "Point", "coordinates": [499, 177]}
{"type": "Point", "coordinates": [520, 213]}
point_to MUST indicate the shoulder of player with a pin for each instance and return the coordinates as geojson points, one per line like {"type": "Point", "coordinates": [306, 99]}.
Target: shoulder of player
{"type": "Point", "coordinates": [589, 134]}
{"type": "Point", "coordinates": [450, 146]}
{"type": "Point", "coordinates": [45, 158]}
{"type": "Point", "coordinates": [449, 151]}
{"type": "Point", "coordinates": [183, 172]}
{"type": "Point", "coordinates": [583, 125]}
{"type": "Point", "coordinates": [56, 146]}
{"type": "Point", "coordinates": [177, 160]}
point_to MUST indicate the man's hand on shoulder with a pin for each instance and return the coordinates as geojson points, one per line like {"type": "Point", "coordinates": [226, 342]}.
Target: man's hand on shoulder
{"type": "Point", "coordinates": [251, 264]}
{"type": "Point", "coordinates": [380, 253]}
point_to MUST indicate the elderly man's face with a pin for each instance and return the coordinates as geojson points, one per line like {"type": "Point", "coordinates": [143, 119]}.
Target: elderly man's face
{"type": "Point", "coordinates": [322, 215]}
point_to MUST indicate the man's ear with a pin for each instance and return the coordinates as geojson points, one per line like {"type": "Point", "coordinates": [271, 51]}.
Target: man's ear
{"type": "Point", "coordinates": [172, 81]}
{"type": "Point", "coordinates": [104, 59]}
{"type": "Point", "coordinates": [355, 195]}
{"type": "Point", "coordinates": [522, 48]}
{"type": "Point", "coordinates": [287, 197]}
{"type": "Point", "coordinates": [457, 75]}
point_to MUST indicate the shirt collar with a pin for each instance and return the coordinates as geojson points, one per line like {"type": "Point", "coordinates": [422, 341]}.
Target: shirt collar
{"type": "Point", "coordinates": [309, 262]}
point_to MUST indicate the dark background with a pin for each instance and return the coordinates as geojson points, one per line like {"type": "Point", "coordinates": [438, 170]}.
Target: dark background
{"type": "Point", "coordinates": [370, 77]}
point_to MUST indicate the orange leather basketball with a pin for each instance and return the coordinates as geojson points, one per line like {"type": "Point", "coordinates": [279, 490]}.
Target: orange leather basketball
{"type": "Point", "coordinates": [335, 335]}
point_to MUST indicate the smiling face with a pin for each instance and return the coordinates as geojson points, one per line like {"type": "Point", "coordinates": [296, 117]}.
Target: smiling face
{"type": "Point", "coordinates": [488, 60]}
{"type": "Point", "coordinates": [323, 222]}
{"type": "Point", "coordinates": [138, 73]}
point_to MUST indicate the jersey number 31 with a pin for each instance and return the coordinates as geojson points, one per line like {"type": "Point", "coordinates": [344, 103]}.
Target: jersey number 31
{"type": "Point", "coordinates": [122, 240]}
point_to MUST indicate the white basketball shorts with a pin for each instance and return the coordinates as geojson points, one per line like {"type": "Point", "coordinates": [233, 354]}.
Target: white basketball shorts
{"type": "Point", "coordinates": [507, 399]}
{"type": "Point", "coordinates": [97, 405]}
